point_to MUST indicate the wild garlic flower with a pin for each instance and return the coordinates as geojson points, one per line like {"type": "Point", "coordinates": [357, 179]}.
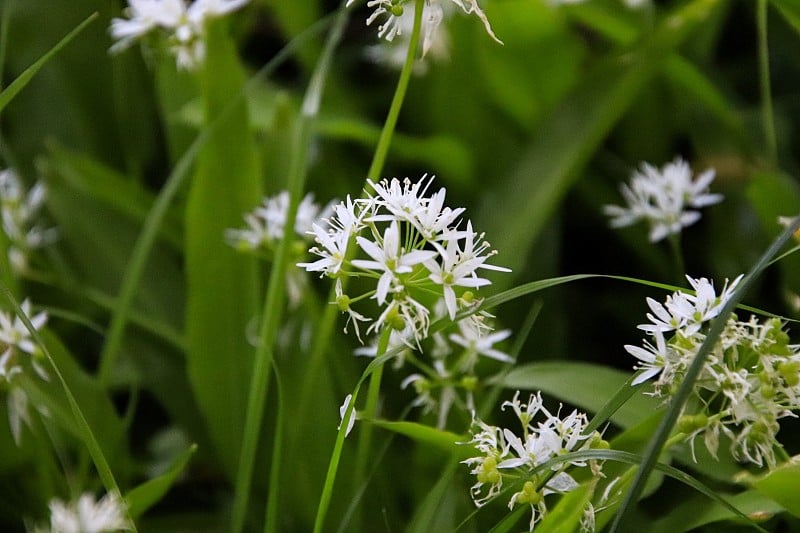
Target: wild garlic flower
{"type": "Point", "coordinates": [506, 456]}
{"type": "Point", "coordinates": [435, 39]}
{"type": "Point", "coordinates": [19, 353]}
{"type": "Point", "coordinates": [749, 381]}
{"type": "Point", "coordinates": [667, 199]}
{"type": "Point", "coordinates": [411, 247]}
{"type": "Point", "coordinates": [264, 231]}
{"type": "Point", "coordinates": [19, 210]}
{"type": "Point", "coordinates": [184, 24]}
{"type": "Point", "coordinates": [395, 21]}
{"type": "Point", "coordinates": [89, 516]}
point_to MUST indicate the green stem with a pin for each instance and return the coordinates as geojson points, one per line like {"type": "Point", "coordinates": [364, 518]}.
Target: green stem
{"type": "Point", "coordinates": [767, 114]}
{"type": "Point", "coordinates": [273, 503]}
{"type": "Point", "coordinates": [677, 256]}
{"type": "Point", "coordinates": [273, 303]}
{"type": "Point", "coordinates": [385, 139]}
{"type": "Point", "coordinates": [322, 339]}
{"type": "Point", "coordinates": [370, 410]}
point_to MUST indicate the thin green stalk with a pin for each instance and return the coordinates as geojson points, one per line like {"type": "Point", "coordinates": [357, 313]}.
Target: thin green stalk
{"type": "Point", "coordinates": [99, 459]}
{"type": "Point", "coordinates": [677, 256]}
{"type": "Point", "coordinates": [144, 244]}
{"type": "Point", "coordinates": [385, 139]}
{"type": "Point", "coordinates": [767, 114]}
{"type": "Point", "coordinates": [273, 302]}
{"type": "Point", "coordinates": [370, 411]}
{"type": "Point", "coordinates": [664, 429]}
{"type": "Point", "coordinates": [273, 503]}
{"type": "Point", "coordinates": [333, 464]}
{"type": "Point", "coordinates": [331, 312]}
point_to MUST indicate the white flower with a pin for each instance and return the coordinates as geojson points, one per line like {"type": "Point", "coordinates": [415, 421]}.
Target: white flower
{"type": "Point", "coordinates": [667, 199]}
{"type": "Point", "coordinates": [505, 453]}
{"type": "Point", "coordinates": [184, 24]}
{"type": "Point", "coordinates": [18, 212]}
{"type": "Point", "coordinates": [351, 419]}
{"type": "Point", "coordinates": [13, 331]}
{"type": "Point", "coordinates": [394, 11]}
{"type": "Point", "coordinates": [474, 340]}
{"type": "Point", "coordinates": [89, 516]}
{"type": "Point", "coordinates": [435, 39]}
{"type": "Point", "coordinates": [391, 258]}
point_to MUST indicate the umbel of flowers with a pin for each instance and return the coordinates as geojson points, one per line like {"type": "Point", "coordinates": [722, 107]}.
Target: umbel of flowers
{"type": "Point", "coordinates": [184, 24]}
{"type": "Point", "coordinates": [507, 457]}
{"type": "Point", "coordinates": [750, 380]}
{"type": "Point", "coordinates": [422, 262]}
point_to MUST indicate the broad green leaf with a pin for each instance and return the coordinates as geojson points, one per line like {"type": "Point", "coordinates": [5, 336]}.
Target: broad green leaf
{"type": "Point", "coordinates": [144, 496]}
{"type": "Point", "coordinates": [23, 79]}
{"type": "Point", "coordinates": [514, 213]}
{"type": "Point", "coordinates": [440, 439]}
{"type": "Point", "coordinates": [584, 385]}
{"type": "Point", "coordinates": [695, 512]}
{"type": "Point", "coordinates": [782, 485]}
{"type": "Point", "coordinates": [222, 285]}
{"type": "Point", "coordinates": [106, 186]}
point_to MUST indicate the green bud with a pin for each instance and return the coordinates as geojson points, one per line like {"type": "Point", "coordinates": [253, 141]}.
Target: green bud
{"type": "Point", "coordinates": [767, 391]}
{"type": "Point", "coordinates": [469, 383]}
{"type": "Point", "coordinates": [790, 372]}
{"type": "Point", "coordinates": [397, 10]}
{"type": "Point", "coordinates": [343, 302]}
{"type": "Point", "coordinates": [468, 296]}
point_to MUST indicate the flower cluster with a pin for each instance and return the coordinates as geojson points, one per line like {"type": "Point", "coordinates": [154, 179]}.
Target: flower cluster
{"type": "Point", "coordinates": [423, 263]}
{"type": "Point", "coordinates": [185, 25]}
{"type": "Point", "coordinates": [749, 381]}
{"type": "Point", "coordinates": [506, 456]}
{"type": "Point", "coordinates": [435, 39]}
{"type": "Point", "coordinates": [265, 227]}
{"type": "Point", "coordinates": [396, 22]}
{"type": "Point", "coordinates": [17, 352]}
{"type": "Point", "coordinates": [19, 210]}
{"type": "Point", "coordinates": [89, 516]}
{"type": "Point", "coordinates": [665, 198]}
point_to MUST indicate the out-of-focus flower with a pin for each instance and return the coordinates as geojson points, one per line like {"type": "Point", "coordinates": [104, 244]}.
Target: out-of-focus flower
{"type": "Point", "coordinates": [667, 199]}
{"type": "Point", "coordinates": [184, 25]}
{"type": "Point", "coordinates": [19, 211]}
{"type": "Point", "coordinates": [89, 516]}
{"type": "Point", "coordinates": [395, 22]}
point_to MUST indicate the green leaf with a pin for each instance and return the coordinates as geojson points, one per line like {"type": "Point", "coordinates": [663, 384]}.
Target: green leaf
{"type": "Point", "coordinates": [515, 211]}
{"type": "Point", "coordinates": [790, 10]}
{"type": "Point", "coordinates": [782, 485]}
{"type": "Point", "coordinates": [584, 385]}
{"type": "Point", "coordinates": [27, 75]}
{"type": "Point", "coordinates": [443, 440]}
{"type": "Point", "coordinates": [144, 496]}
{"type": "Point", "coordinates": [223, 286]}
{"type": "Point", "coordinates": [696, 512]}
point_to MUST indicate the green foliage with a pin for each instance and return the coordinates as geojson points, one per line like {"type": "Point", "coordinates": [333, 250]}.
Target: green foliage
{"type": "Point", "coordinates": [164, 343]}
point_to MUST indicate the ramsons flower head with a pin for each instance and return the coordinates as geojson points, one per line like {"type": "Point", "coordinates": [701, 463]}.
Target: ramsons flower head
{"type": "Point", "coordinates": [668, 199]}
{"type": "Point", "coordinates": [89, 516]}
{"type": "Point", "coordinates": [19, 210]}
{"type": "Point", "coordinates": [183, 23]}
{"type": "Point", "coordinates": [412, 260]}
{"type": "Point", "coordinates": [748, 382]}
{"type": "Point", "coordinates": [509, 456]}
{"type": "Point", "coordinates": [395, 18]}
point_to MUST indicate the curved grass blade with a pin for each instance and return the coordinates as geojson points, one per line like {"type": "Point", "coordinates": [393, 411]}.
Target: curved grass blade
{"type": "Point", "coordinates": [27, 75]}
{"type": "Point", "coordinates": [144, 496]}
